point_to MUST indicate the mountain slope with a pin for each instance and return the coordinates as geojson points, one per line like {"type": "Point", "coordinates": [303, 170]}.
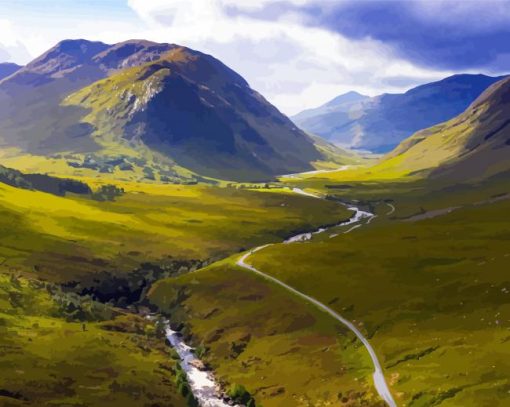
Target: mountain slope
{"type": "Point", "coordinates": [165, 106]}
{"type": "Point", "coordinates": [7, 69]}
{"type": "Point", "coordinates": [192, 108]}
{"type": "Point", "coordinates": [378, 124]}
{"type": "Point", "coordinates": [473, 145]}
{"type": "Point", "coordinates": [31, 117]}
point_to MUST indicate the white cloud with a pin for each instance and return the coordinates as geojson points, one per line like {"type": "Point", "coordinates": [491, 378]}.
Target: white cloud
{"type": "Point", "coordinates": [11, 49]}
{"type": "Point", "coordinates": [295, 66]}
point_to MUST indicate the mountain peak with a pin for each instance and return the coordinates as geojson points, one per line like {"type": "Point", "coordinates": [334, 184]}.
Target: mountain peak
{"type": "Point", "coordinates": [348, 97]}
{"type": "Point", "coordinates": [66, 54]}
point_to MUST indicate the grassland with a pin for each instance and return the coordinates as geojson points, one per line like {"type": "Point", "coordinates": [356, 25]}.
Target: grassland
{"type": "Point", "coordinates": [49, 239]}
{"type": "Point", "coordinates": [427, 283]}
{"type": "Point", "coordinates": [431, 294]}
{"type": "Point", "coordinates": [65, 238]}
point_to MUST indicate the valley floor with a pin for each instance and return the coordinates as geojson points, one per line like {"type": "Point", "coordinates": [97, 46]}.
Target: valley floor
{"type": "Point", "coordinates": [420, 288]}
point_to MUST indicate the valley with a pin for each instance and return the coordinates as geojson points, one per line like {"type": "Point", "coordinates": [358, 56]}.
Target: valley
{"type": "Point", "coordinates": [168, 237]}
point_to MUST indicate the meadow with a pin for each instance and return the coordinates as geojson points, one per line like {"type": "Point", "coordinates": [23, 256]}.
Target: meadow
{"type": "Point", "coordinates": [65, 238]}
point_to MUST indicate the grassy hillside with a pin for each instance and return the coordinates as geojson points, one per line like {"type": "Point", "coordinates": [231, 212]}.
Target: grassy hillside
{"type": "Point", "coordinates": [110, 251]}
{"type": "Point", "coordinates": [472, 146]}
{"type": "Point", "coordinates": [283, 351]}
{"type": "Point", "coordinates": [51, 358]}
{"type": "Point", "coordinates": [429, 291]}
{"type": "Point", "coordinates": [64, 238]}
{"type": "Point", "coordinates": [426, 282]}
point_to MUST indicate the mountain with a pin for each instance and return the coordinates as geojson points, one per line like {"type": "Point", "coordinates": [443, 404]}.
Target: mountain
{"type": "Point", "coordinates": [162, 105]}
{"type": "Point", "coordinates": [380, 123]}
{"type": "Point", "coordinates": [321, 120]}
{"type": "Point", "coordinates": [473, 145]}
{"type": "Point", "coordinates": [7, 69]}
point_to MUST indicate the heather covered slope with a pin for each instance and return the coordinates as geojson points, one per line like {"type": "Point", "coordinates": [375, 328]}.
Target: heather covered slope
{"type": "Point", "coordinates": [378, 124]}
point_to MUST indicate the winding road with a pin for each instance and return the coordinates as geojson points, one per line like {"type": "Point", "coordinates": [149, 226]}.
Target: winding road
{"type": "Point", "coordinates": [378, 376]}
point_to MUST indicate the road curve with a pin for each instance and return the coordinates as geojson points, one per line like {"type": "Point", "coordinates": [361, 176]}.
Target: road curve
{"type": "Point", "coordinates": [378, 376]}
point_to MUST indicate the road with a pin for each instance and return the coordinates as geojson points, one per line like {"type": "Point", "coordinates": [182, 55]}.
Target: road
{"type": "Point", "coordinates": [378, 375]}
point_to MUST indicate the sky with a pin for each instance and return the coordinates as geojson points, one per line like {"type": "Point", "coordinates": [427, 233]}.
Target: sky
{"type": "Point", "coordinates": [297, 53]}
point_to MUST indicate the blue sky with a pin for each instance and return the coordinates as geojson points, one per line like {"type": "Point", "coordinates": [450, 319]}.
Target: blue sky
{"type": "Point", "coordinates": [297, 53]}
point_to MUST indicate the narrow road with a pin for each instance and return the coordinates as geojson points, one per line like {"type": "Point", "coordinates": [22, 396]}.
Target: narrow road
{"type": "Point", "coordinates": [378, 375]}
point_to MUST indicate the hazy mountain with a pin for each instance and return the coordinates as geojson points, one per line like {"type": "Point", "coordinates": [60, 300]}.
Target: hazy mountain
{"type": "Point", "coordinates": [473, 145]}
{"type": "Point", "coordinates": [186, 106]}
{"type": "Point", "coordinates": [378, 124]}
{"type": "Point", "coordinates": [8, 68]}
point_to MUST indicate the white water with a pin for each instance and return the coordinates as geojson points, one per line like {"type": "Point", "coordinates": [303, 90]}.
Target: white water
{"type": "Point", "coordinates": [202, 383]}
{"type": "Point", "coordinates": [378, 376]}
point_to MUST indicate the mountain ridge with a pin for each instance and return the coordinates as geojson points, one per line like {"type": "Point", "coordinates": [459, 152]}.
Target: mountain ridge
{"type": "Point", "coordinates": [472, 145]}
{"type": "Point", "coordinates": [379, 123]}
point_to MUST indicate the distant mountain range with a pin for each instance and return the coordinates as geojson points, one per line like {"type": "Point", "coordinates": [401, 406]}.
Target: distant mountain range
{"type": "Point", "coordinates": [380, 123]}
{"type": "Point", "coordinates": [154, 106]}
{"type": "Point", "coordinates": [474, 145]}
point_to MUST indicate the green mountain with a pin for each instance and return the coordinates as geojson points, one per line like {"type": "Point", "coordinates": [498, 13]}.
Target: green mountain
{"type": "Point", "coordinates": [380, 123]}
{"type": "Point", "coordinates": [157, 108]}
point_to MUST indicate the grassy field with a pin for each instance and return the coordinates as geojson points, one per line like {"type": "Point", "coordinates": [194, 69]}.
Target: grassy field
{"type": "Point", "coordinates": [50, 360]}
{"type": "Point", "coordinates": [65, 238]}
{"type": "Point", "coordinates": [425, 282]}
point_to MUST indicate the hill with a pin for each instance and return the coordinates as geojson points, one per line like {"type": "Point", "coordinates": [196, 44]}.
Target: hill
{"type": "Point", "coordinates": [156, 111]}
{"type": "Point", "coordinates": [380, 123]}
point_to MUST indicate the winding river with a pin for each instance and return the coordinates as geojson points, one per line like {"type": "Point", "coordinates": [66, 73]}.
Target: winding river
{"type": "Point", "coordinates": [202, 383]}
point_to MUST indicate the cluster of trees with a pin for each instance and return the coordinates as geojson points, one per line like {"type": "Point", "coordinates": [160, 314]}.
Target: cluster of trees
{"type": "Point", "coordinates": [251, 186]}
{"type": "Point", "coordinates": [41, 182]}
{"type": "Point", "coordinates": [107, 193]}
{"type": "Point", "coordinates": [74, 307]}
